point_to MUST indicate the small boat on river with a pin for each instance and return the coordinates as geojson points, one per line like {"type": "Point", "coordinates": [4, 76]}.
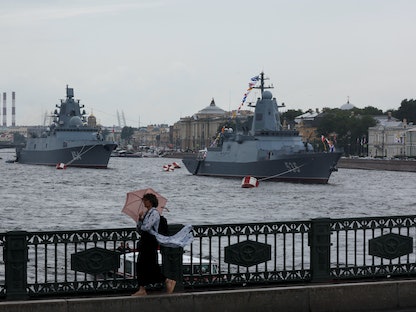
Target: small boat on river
{"type": "Point", "coordinates": [192, 267]}
{"type": "Point", "coordinates": [266, 151]}
{"type": "Point", "coordinates": [68, 141]}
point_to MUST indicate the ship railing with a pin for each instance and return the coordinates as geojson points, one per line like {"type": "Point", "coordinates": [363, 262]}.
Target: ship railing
{"type": "Point", "coordinates": [73, 263]}
{"type": "Point", "coordinates": [202, 154]}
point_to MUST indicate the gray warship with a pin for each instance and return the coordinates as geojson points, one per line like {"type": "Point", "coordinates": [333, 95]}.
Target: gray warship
{"type": "Point", "coordinates": [265, 152]}
{"type": "Point", "coordinates": [68, 141]}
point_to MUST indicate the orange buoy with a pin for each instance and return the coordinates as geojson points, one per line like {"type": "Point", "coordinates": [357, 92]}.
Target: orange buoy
{"type": "Point", "coordinates": [249, 182]}
{"type": "Point", "coordinates": [168, 167]}
{"type": "Point", "coordinates": [60, 166]}
{"type": "Point", "coordinates": [175, 165]}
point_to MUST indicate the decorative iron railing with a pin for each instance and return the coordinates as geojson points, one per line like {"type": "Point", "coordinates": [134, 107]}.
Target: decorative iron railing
{"type": "Point", "coordinates": [37, 264]}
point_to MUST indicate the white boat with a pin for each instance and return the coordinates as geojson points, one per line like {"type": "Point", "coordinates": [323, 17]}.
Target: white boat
{"type": "Point", "coordinates": [191, 266]}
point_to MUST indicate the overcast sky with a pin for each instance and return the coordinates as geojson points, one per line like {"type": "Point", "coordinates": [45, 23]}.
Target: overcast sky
{"type": "Point", "coordinates": [157, 61]}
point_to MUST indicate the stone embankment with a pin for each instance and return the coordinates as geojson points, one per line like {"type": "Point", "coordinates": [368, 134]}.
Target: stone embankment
{"type": "Point", "coordinates": [377, 164]}
{"type": "Point", "coordinates": [350, 297]}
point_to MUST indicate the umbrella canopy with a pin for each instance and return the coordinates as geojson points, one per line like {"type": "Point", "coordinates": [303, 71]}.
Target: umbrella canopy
{"type": "Point", "coordinates": [134, 205]}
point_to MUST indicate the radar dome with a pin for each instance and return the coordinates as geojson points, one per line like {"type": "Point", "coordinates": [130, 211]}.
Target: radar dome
{"type": "Point", "coordinates": [267, 95]}
{"type": "Point", "coordinates": [75, 121]}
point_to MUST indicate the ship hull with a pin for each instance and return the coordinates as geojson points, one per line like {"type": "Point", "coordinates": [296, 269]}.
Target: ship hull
{"type": "Point", "coordinates": [86, 156]}
{"type": "Point", "coordinates": [301, 168]}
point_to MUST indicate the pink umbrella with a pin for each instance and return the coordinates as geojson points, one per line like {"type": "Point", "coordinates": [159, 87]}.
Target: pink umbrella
{"type": "Point", "coordinates": [134, 203]}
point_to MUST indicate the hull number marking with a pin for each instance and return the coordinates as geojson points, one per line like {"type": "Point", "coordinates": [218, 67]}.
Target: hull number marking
{"type": "Point", "coordinates": [292, 166]}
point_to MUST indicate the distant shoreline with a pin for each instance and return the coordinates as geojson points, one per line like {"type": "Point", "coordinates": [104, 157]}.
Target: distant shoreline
{"type": "Point", "coordinates": [377, 164]}
{"type": "Point", "coordinates": [179, 155]}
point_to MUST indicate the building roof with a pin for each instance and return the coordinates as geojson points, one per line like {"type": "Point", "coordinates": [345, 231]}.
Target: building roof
{"type": "Point", "coordinates": [385, 118]}
{"type": "Point", "coordinates": [212, 109]}
{"type": "Point", "coordinates": [310, 115]}
{"type": "Point", "coordinates": [390, 124]}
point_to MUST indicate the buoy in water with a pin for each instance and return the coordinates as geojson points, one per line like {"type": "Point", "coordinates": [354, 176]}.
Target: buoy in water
{"type": "Point", "coordinates": [168, 168]}
{"type": "Point", "coordinates": [60, 166]}
{"type": "Point", "coordinates": [249, 182]}
{"type": "Point", "coordinates": [175, 165]}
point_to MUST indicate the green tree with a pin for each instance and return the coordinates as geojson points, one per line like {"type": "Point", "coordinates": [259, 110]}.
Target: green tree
{"type": "Point", "coordinates": [290, 115]}
{"type": "Point", "coordinates": [407, 110]}
{"type": "Point", "coordinates": [127, 133]}
{"type": "Point", "coordinates": [346, 128]}
{"type": "Point", "coordinates": [369, 110]}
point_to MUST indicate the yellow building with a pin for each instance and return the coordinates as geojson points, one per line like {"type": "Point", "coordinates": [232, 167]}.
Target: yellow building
{"type": "Point", "coordinates": [199, 131]}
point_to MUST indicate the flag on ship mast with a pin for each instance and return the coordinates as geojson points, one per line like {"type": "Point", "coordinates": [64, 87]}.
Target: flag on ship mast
{"type": "Point", "coordinates": [251, 84]}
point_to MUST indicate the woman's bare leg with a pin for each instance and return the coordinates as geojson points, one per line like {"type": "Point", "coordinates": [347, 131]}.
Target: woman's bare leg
{"type": "Point", "coordinates": [140, 292]}
{"type": "Point", "coordinates": [170, 285]}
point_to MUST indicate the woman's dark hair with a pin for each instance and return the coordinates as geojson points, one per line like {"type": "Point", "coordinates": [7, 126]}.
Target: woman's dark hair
{"type": "Point", "coordinates": [152, 198]}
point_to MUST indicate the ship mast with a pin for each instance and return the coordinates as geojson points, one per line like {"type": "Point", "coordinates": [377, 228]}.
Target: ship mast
{"type": "Point", "coordinates": [262, 87]}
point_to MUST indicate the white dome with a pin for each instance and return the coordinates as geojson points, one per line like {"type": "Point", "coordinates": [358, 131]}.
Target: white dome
{"type": "Point", "coordinates": [75, 121]}
{"type": "Point", "coordinates": [347, 106]}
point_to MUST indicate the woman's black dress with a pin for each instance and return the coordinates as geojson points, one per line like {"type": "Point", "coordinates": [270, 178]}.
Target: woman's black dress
{"type": "Point", "coordinates": [148, 269]}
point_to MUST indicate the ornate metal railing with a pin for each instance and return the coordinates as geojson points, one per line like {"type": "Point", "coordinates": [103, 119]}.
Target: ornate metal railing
{"type": "Point", "coordinates": [66, 263]}
{"type": "Point", "coordinates": [373, 247]}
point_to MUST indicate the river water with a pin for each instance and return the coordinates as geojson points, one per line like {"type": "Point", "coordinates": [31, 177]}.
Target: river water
{"type": "Point", "coordinates": [41, 198]}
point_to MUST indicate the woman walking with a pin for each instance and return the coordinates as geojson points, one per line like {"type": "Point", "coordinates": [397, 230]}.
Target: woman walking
{"type": "Point", "coordinates": [148, 269]}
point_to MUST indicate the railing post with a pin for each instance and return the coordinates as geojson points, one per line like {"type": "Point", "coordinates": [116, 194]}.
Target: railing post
{"type": "Point", "coordinates": [15, 261]}
{"type": "Point", "coordinates": [172, 259]}
{"type": "Point", "coordinates": [320, 243]}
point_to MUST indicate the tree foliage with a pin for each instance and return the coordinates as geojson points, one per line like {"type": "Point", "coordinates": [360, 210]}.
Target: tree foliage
{"type": "Point", "coordinates": [290, 115]}
{"type": "Point", "coordinates": [368, 111]}
{"type": "Point", "coordinates": [127, 133]}
{"type": "Point", "coordinates": [346, 128]}
{"type": "Point", "coordinates": [407, 110]}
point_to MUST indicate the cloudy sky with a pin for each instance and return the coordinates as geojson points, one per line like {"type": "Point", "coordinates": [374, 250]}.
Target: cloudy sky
{"type": "Point", "coordinates": [156, 61]}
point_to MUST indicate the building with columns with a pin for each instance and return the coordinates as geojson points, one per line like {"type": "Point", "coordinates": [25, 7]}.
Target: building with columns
{"type": "Point", "coordinates": [200, 130]}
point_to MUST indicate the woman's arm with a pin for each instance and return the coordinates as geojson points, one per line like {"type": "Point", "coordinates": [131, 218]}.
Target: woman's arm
{"type": "Point", "coordinates": [151, 221]}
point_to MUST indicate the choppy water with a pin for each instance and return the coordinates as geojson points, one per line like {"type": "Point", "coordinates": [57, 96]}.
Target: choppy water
{"type": "Point", "coordinates": [38, 198]}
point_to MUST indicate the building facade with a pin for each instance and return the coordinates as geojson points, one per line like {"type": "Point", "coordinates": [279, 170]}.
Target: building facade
{"type": "Point", "coordinates": [195, 134]}
{"type": "Point", "coordinates": [411, 142]}
{"type": "Point", "coordinates": [391, 138]}
{"type": "Point", "coordinates": [200, 130]}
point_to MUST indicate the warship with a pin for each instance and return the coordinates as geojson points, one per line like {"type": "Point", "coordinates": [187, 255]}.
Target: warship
{"type": "Point", "coordinates": [266, 151]}
{"type": "Point", "coordinates": [68, 141]}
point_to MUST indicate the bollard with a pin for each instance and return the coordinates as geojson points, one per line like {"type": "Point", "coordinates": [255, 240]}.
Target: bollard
{"type": "Point", "coordinates": [172, 260]}
{"type": "Point", "coordinates": [320, 243]}
{"type": "Point", "coordinates": [15, 261]}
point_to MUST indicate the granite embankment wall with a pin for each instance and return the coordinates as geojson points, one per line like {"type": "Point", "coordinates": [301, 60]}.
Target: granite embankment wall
{"type": "Point", "coordinates": [369, 296]}
{"type": "Point", "coordinates": [377, 164]}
